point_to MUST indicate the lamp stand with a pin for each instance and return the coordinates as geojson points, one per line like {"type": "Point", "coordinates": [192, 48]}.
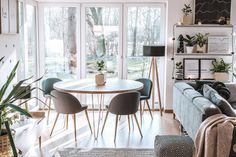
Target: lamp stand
{"type": "Point", "coordinates": [154, 70]}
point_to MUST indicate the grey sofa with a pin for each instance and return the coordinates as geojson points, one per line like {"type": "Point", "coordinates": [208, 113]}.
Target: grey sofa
{"type": "Point", "coordinates": [191, 108]}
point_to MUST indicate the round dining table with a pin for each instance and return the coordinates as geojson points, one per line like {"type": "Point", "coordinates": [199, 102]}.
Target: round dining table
{"type": "Point", "coordinates": [88, 86]}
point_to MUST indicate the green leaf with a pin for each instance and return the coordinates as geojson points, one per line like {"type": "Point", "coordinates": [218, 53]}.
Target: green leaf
{"type": "Point", "coordinates": [18, 109]}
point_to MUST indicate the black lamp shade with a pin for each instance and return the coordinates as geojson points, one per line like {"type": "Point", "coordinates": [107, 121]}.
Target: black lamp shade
{"type": "Point", "coordinates": [154, 51]}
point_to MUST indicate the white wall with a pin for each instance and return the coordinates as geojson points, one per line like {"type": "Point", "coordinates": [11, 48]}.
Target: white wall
{"type": "Point", "coordinates": [8, 48]}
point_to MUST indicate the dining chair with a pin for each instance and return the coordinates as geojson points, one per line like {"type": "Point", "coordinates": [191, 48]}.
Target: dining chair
{"type": "Point", "coordinates": [145, 94]}
{"type": "Point", "coordinates": [66, 103]}
{"type": "Point", "coordinates": [124, 104]}
{"type": "Point", "coordinates": [47, 87]}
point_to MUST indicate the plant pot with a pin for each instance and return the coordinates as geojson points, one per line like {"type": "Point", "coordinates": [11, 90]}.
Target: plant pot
{"type": "Point", "coordinates": [5, 146]}
{"type": "Point", "coordinates": [201, 49]}
{"type": "Point", "coordinates": [100, 79]}
{"type": "Point", "coordinates": [221, 76]}
{"type": "Point", "coordinates": [188, 20]}
{"type": "Point", "coordinates": [189, 49]}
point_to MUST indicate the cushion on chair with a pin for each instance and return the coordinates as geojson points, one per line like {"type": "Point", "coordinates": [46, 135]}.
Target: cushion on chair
{"type": "Point", "coordinates": [173, 146]}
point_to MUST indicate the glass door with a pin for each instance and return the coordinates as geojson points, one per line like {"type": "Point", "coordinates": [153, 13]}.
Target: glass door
{"type": "Point", "coordinates": [60, 47]}
{"type": "Point", "coordinates": [101, 40]}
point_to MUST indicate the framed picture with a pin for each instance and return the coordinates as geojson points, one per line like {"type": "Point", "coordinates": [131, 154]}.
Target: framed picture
{"type": "Point", "coordinates": [191, 67]}
{"type": "Point", "coordinates": [205, 69]}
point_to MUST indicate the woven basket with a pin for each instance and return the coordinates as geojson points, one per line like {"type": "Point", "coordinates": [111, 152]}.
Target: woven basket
{"type": "Point", "coordinates": [5, 146]}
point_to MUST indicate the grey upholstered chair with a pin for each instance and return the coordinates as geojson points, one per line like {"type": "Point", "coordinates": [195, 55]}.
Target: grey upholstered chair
{"type": "Point", "coordinates": [145, 94]}
{"type": "Point", "coordinates": [47, 87]}
{"type": "Point", "coordinates": [68, 104]}
{"type": "Point", "coordinates": [124, 104]}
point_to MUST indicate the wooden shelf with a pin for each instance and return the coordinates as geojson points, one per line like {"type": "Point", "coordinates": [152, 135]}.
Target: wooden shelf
{"type": "Point", "coordinates": [203, 54]}
{"type": "Point", "coordinates": [205, 25]}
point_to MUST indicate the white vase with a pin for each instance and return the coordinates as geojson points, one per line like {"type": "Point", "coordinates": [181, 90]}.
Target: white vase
{"type": "Point", "coordinates": [189, 49]}
{"type": "Point", "coordinates": [100, 79]}
{"type": "Point", "coordinates": [201, 49]}
{"type": "Point", "coordinates": [221, 76]}
{"type": "Point", "coordinates": [188, 20]}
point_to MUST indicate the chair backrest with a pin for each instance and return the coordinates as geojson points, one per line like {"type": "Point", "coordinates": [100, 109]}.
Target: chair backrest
{"type": "Point", "coordinates": [147, 87]}
{"type": "Point", "coordinates": [125, 103]}
{"type": "Point", "coordinates": [47, 85]}
{"type": "Point", "coordinates": [65, 103]}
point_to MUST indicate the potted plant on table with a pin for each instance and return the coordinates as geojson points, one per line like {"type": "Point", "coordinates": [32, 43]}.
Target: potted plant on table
{"type": "Point", "coordinates": [179, 70]}
{"type": "Point", "coordinates": [190, 41]}
{"type": "Point", "coordinates": [187, 15]}
{"type": "Point", "coordinates": [100, 78]}
{"type": "Point", "coordinates": [221, 69]}
{"type": "Point", "coordinates": [8, 110]}
{"type": "Point", "coordinates": [201, 40]}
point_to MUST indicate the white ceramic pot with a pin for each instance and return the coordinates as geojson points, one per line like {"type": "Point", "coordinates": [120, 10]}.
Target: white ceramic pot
{"type": "Point", "coordinates": [201, 49]}
{"type": "Point", "coordinates": [189, 49]}
{"type": "Point", "coordinates": [188, 20]}
{"type": "Point", "coordinates": [100, 79]}
{"type": "Point", "coordinates": [221, 76]}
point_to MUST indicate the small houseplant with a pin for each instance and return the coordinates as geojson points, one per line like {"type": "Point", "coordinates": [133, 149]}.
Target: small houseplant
{"type": "Point", "coordinates": [201, 40]}
{"type": "Point", "coordinates": [221, 69]}
{"type": "Point", "coordinates": [187, 15]}
{"type": "Point", "coordinates": [100, 77]}
{"type": "Point", "coordinates": [179, 70]}
{"type": "Point", "coordinates": [190, 41]}
{"type": "Point", "coordinates": [8, 109]}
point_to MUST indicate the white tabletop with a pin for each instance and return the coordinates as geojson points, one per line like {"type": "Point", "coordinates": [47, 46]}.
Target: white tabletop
{"type": "Point", "coordinates": [88, 86]}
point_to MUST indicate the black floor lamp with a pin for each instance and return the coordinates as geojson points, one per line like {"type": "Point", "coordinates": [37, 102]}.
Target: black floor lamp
{"type": "Point", "coordinates": [154, 52]}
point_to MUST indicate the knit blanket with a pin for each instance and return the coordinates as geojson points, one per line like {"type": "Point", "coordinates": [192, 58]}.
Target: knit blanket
{"type": "Point", "coordinates": [214, 136]}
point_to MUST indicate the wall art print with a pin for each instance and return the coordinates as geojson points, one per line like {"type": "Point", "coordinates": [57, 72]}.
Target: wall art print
{"type": "Point", "coordinates": [210, 11]}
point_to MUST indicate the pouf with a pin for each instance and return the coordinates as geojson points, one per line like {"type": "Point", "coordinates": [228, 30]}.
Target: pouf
{"type": "Point", "coordinates": [173, 146]}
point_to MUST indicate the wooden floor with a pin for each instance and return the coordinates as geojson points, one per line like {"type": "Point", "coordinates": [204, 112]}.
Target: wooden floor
{"type": "Point", "coordinates": [62, 138]}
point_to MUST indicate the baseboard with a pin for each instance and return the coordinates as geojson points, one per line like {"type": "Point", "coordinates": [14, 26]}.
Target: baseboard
{"type": "Point", "coordinates": [168, 111]}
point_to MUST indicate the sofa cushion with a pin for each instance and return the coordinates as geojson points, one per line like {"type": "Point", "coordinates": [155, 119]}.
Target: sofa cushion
{"type": "Point", "coordinates": [208, 92]}
{"type": "Point", "coordinates": [182, 86]}
{"type": "Point", "coordinates": [192, 94]}
{"type": "Point", "coordinates": [232, 89]}
{"type": "Point", "coordinates": [223, 104]}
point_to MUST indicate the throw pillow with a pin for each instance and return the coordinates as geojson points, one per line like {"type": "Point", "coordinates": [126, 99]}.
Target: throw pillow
{"type": "Point", "coordinates": [208, 92]}
{"type": "Point", "coordinates": [223, 105]}
{"type": "Point", "coordinates": [232, 89]}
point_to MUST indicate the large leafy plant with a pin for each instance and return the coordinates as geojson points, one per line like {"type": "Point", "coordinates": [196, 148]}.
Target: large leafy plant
{"type": "Point", "coordinates": [8, 105]}
{"type": "Point", "coordinates": [219, 65]}
{"type": "Point", "coordinates": [100, 66]}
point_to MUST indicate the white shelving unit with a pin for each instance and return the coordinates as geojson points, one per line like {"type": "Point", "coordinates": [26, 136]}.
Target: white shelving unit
{"type": "Point", "coordinates": [214, 30]}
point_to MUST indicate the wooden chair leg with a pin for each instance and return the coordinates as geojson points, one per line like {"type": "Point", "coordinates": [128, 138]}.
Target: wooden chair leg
{"type": "Point", "coordinates": [140, 113]}
{"type": "Point", "coordinates": [67, 119]}
{"type": "Point", "coordinates": [105, 121]}
{"type": "Point", "coordinates": [74, 116]}
{"type": "Point", "coordinates": [49, 109]}
{"type": "Point", "coordinates": [54, 124]}
{"type": "Point", "coordinates": [138, 125]}
{"type": "Point", "coordinates": [86, 113]}
{"type": "Point", "coordinates": [128, 122]}
{"type": "Point", "coordinates": [149, 109]}
{"type": "Point", "coordinates": [46, 101]}
{"type": "Point", "coordinates": [116, 127]}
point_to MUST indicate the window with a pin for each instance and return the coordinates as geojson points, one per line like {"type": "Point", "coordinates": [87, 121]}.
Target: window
{"type": "Point", "coordinates": [102, 39]}
{"type": "Point", "coordinates": [60, 42]}
{"type": "Point", "coordinates": [144, 27]}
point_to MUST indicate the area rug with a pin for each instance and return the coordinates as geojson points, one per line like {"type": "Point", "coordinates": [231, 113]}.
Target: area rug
{"type": "Point", "coordinates": [104, 152]}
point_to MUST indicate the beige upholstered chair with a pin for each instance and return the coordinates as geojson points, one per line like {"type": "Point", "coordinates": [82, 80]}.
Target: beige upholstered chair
{"type": "Point", "coordinates": [124, 104]}
{"type": "Point", "coordinates": [67, 104]}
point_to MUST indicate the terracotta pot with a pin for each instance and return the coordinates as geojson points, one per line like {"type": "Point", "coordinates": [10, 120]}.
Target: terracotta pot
{"type": "Point", "coordinates": [201, 49]}
{"type": "Point", "coordinates": [189, 49]}
{"type": "Point", "coordinates": [221, 76]}
{"type": "Point", "coordinates": [100, 79]}
{"type": "Point", "coordinates": [188, 20]}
